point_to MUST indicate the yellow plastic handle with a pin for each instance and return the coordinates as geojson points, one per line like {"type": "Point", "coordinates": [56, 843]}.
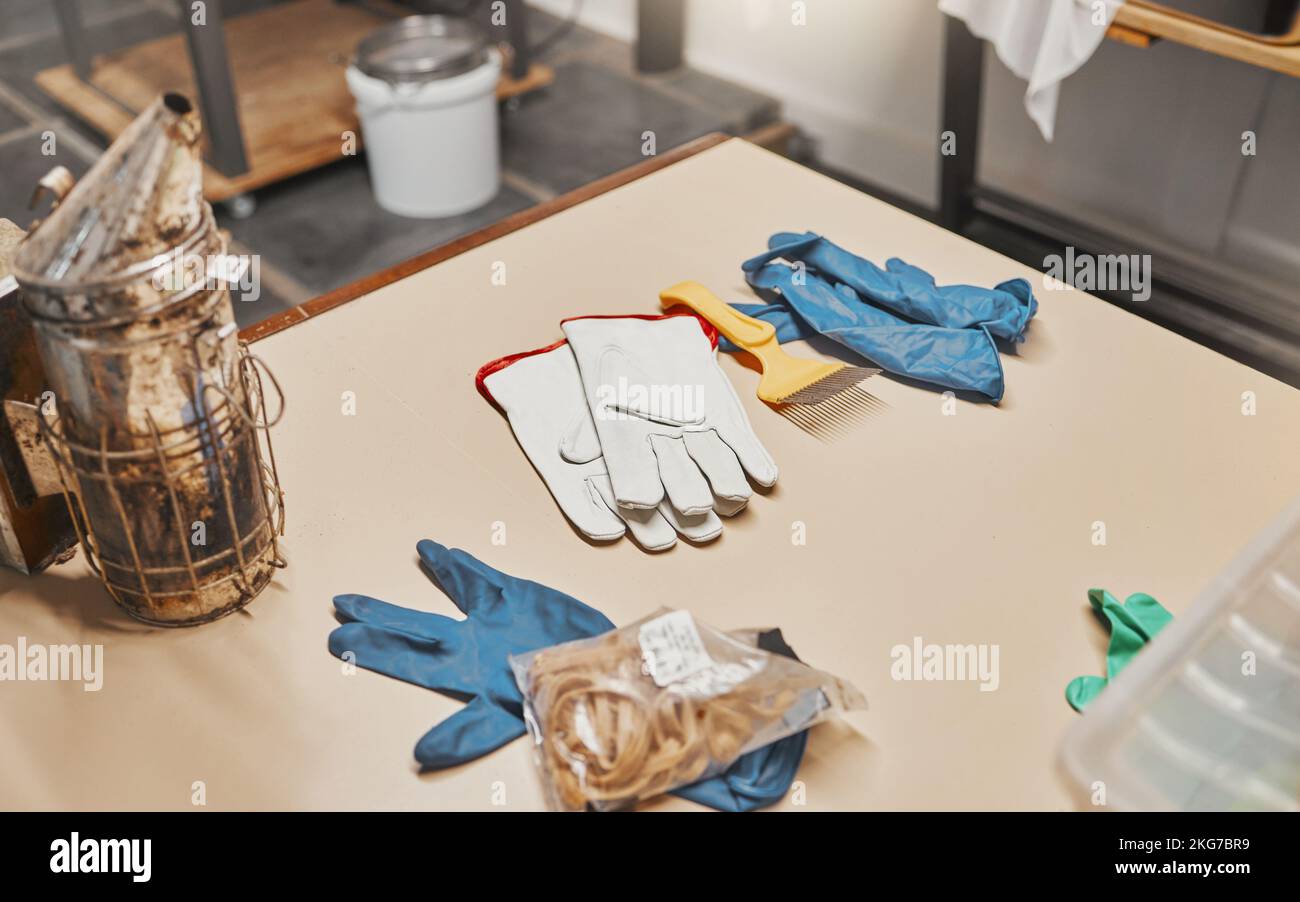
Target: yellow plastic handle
{"type": "Point", "coordinates": [783, 375]}
{"type": "Point", "coordinates": [745, 331]}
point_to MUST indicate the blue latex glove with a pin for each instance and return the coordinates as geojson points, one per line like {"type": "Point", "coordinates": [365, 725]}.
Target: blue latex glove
{"type": "Point", "coordinates": [964, 359]}
{"type": "Point", "coordinates": [756, 780]}
{"type": "Point", "coordinates": [465, 659]}
{"type": "Point", "coordinates": [763, 776]}
{"type": "Point", "coordinates": [468, 659]}
{"type": "Point", "coordinates": [1004, 310]}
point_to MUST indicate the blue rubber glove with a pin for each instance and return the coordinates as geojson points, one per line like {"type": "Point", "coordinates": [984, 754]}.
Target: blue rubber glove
{"type": "Point", "coordinates": [763, 776]}
{"type": "Point", "coordinates": [463, 658]}
{"type": "Point", "coordinates": [1004, 310]}
{"type": "Point", "coordinates": [963, 359]}
{"type": "Point", "coordinates": [755, 780]}
{"type": "Point", "coordinates": [468, 659]}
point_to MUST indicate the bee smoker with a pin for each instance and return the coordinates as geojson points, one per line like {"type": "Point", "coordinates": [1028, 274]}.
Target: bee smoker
{"type": "Point", "coordinates": [155, 419]}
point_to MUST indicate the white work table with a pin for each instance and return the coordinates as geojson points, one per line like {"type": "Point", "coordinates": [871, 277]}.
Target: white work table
{"type": "Point", "coordinates": [971, 528]}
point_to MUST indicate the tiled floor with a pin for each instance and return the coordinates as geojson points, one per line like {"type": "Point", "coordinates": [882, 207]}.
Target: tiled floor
{"type": "Point", "coordinates": [322, 230]}
{"type": "Point", "coordinates": [27, 153]}
{"type": "Point", "coordinates": [325, 230]}
{"type": "Point", "coordinates": [10, 121]}
{"type": "Point", "coordinates": [593, 123]}
{"type": "Point", "coordinates": [108, 26]}
{"type": "Point", "coordinates": [24, 18]}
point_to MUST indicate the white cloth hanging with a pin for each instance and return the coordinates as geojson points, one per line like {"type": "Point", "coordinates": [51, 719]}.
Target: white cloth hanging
{"type": "Point", "coordinates": [1041, 41]}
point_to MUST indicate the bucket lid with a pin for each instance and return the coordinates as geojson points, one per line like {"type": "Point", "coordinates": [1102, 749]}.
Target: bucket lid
{"type": "Point", "coordinates": [142, 198]}
{"type": "Point", "coordinates": [422, 48]}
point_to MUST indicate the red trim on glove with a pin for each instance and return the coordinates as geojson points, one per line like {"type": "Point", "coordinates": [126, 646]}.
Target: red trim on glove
{"type": "Point", "coordinates": [710, 331]}
{"type": "Point", "coordinates": [493, 366]}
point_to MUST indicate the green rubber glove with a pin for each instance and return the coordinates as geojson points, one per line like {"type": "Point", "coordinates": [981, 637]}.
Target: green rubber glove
{"type": "Point", "coordinates": [1132, 625]}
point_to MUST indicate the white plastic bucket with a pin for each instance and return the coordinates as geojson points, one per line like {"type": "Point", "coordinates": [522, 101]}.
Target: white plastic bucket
{"type": "Point", "coordinates": [432, 146]}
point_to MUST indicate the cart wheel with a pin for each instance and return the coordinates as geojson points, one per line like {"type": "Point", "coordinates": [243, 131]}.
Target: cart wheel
{"type": "Point", "coordinates": [241, 206]}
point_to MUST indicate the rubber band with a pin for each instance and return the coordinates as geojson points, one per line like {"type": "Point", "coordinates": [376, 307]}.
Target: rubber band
{"type": "Point", "coordinates": [610, 735]}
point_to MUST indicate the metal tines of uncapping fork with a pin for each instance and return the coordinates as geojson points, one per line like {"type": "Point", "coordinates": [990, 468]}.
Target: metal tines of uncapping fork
{"type": "Point", "coordinates": [831, 388]}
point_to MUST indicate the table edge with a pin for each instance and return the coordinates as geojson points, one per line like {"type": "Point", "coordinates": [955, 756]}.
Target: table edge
{"type": "Point", "coordinates": [316, 306]}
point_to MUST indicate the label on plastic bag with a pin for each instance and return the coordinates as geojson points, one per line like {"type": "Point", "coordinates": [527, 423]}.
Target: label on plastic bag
{"type": "Point", "coordinates": [671, 648]}
{"type": "Point", "coordinates": [719, 679]}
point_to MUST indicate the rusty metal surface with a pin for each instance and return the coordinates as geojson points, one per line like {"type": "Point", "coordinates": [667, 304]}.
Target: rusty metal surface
{"type": "Point", "coordinates": [38, 459]}
{"type": "Point", "coordinates": [34, 528]}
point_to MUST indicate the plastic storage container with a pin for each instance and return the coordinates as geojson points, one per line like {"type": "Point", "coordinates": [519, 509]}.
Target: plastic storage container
{"type": "Point", "coordinates": [425, 88]}
{"type": "Point", "coordinates": [1207, 717]}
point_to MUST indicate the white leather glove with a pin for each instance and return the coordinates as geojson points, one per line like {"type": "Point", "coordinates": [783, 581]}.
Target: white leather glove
{"type": "Point", "coordinates": [541, 394]}
{"type": "Point", "coordinates": [667, 416]}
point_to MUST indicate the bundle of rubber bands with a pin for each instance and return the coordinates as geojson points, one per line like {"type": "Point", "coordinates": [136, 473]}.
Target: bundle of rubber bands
{"type": "Point", "coordinates": [659, 704]}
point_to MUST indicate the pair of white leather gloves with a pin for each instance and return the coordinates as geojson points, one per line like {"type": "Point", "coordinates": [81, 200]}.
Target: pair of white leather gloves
{"type": "Point", "coordinates": [633, 425]}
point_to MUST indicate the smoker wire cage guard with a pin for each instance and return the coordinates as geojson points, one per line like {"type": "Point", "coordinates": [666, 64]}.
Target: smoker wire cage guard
{"type": "Point", "coordinates": [212, 472]}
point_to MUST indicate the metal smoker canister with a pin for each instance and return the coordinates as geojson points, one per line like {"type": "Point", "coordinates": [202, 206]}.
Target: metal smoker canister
{"type": "Point", "coordinates": [160, 426]}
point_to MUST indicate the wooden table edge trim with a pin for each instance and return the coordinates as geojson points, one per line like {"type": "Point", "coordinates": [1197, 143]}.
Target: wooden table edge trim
{"type": "Point", "coordinates": [513, 223]}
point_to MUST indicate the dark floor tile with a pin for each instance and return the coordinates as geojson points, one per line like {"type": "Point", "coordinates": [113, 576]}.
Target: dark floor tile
{"type": "Point", "coordinates": [10, 120]}
{"type": "Point", "coordinates": [22, 163]}
{"type": "Point", "coordinates": [589, 123]}
{"type": "Point", "coordinates": [233, 8]}
{"type": "Point", "coordinates": [741, 109]}
{"type": "Point", "coordinates": [543, 36]}
{"type": "Point", "coordinates": [325, 230]}
{"type": "Point", "coordinates": [552, 34]}
{"type": "Point", "coordinates": [25, 18]}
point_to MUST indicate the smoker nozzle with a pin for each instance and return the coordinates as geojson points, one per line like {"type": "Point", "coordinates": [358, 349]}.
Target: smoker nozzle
{"type": "Point", "coordinates": [141, 199]}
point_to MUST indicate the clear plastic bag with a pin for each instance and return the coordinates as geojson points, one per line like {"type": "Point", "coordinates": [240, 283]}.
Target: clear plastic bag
{"type": "Point", "coordinates": [659, 704]}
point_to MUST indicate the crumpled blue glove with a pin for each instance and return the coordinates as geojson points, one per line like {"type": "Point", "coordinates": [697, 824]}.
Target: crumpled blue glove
{"type": "Point", "coordinates": [1004, 310]}
{"type": "Point", "coordinates": [963, 359]}
{"type": "Point", "coordinates": [763, 776]}
{"type": "Point", "coordinates": [468, 659]}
